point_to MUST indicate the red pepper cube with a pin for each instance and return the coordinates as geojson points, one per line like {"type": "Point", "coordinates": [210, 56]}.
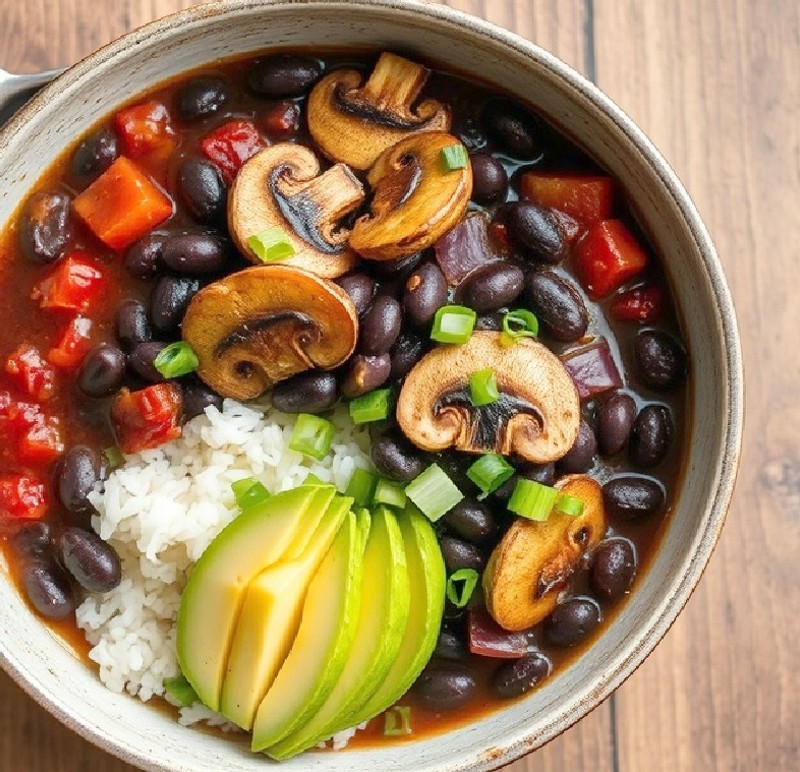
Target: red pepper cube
{"type": "Point", "coordinates": [122, 205]}
{"type": "Point", "coordinates": [71, 347]}
{"type": "Point", "coordinates": [231, 145]}
{"type": "Point", "coordinates": [587, 199]}
{"type": "Point", "coordinates": [145, 129]}
{"type": "Point", "coordinates": [643, 304]}
{"type": "Point", "coordinates": [282, 121]}
{"type": "Point", "coordinates": [41, 443]}
{"type": "Point", "coordinates": [147, 418]}
{"type": "Point", "coordinates": [22, 497]}
{"type": "Point", "coordinates": [31, 372]}
{"type": "Point", "coordinates": [15, 416]}
{"type": "Point", "coordinates": [606, 257]}
{"type": "Point", "coordinates": [73, 285]}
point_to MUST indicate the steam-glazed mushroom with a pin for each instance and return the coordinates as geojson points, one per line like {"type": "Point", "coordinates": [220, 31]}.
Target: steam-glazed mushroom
{"type": "Point", "coordinates": [534, 560]}
{"type": "Point", "coordinates": [354, 124]}
{"type": "Point", "coordinates": [418, 197]}
{"type": "Point", "coordinates": [264, 324]}
{"type": "Point", "coordinates": [278, 190]}
{"type": "Point", "coordinates": [536, 416]}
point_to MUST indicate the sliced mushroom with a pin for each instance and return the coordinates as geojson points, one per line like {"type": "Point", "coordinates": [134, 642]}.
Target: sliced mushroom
{"type": "Point", "coordinates": [281, 187]}
{"type": "Point", "coordinates": [264, 324]}
{"type": "Point", "coordinates": [416, 200]}
{"type": "Point", "coordinates": [536, 416]}
{"type": "Point", "coordinates": [534, 560]}
{"type": "Point", "coordinates": [354, 124]}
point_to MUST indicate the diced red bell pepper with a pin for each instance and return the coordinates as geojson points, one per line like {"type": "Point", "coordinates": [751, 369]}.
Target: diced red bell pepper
{"type": "Point", "coordinates": [31, 373]}
{"type": "Point", "coordinates": [643, 304]}
{"type": "Point", "coordinates": [606, 257]}
{"type": "Point", "coordinates": [73, 285]}
{"type": "Point", "coordinates": [15, 416]}
{"type": "Point", "coordinates": [70, 349]}
{"type": "Point", "coordinates": [22, 497]}
{"type": "Point", "coordinates": [147, 418]}
{"type": "Point", "coordinates": [587, 199]}
{"type": "Point", "coordinates": [145, 129]}
{"type": "Point", "coordinates": [488, 639]}
{"type": "Point", "coordinates": [593, 369]}
{"type": "Point", "coordinates": [41, 443]}
{"type": "Point", "coordinates": [282, 121]}
{"type": "Point", "coordinates": [231, 145]}
{"type": "Point", "coordinates": [122, 205]}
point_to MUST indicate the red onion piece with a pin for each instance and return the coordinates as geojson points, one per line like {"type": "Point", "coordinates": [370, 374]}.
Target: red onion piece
{"type": "Point", "coordinates": [465, 248]}
{"type": "Point", "coordinates": [488, 639]}
{"type": "Point", "coordinates": [593, 369]}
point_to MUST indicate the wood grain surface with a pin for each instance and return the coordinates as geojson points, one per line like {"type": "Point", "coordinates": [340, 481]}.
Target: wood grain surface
{"type": "Point", "coordinates": [715, 85]}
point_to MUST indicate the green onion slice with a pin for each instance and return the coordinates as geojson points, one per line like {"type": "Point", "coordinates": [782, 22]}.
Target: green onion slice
{"type": "Point", "coordinates": [569, 505]}
{"type": "Point", "coordinates": [389, 493]}
{"type": "Point", "coordinates": [453, 157]}
{"type": "Point", "coordinates": [483, 388]}
{"type": "Point", "coordinates": [434, 493]}
{"type": "Point", "coordinates": [373, 406]}
{"type": "Point", "coordinates": [397, 721]}
{"type": "Point", "coordinates": [176, 359]}
{"type": "Point", "coordinates": [453, 324]}
{"type": "Point", "coordinates": [532, 500]}
{"type": "Point", "coordinates": [489, 472]}
{"type": "Point", "coordinates": [271, 245]}
{"type": "Point", "coordinates": [249, 492]}
{"type": "Point", "coordinates": [361, 487]}
{"type": "Point", "coordinates": [312, 436]}
{"type": "Point", "coordinates": [461, 585]}
{"type": "Point", "coordinates": [180, 690]}
{"type": "Point", "coordinates": [113, 456]}
{"type": "Point", "coordinates": [519, 324]}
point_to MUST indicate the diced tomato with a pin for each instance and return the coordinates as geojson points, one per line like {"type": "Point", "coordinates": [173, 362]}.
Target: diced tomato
{"type": "Point", "coordinates": [488, 639]}
{"type": "Point", "coordinates": [73, 285]}
{"type": "Point", "coordinates": [122, 205]}
{"type": "Point", "coordinates": [282, 121]}
{"type": "Point", "coordinates": [584, 198]}
{"type": "Point", "coordinates": [42, 442]}
{"type": "Point", "coordinates": [606, 257]}
{"type": "Point", "coordinates": [15, 416]}
{"type": "Point", "coordinates": [31, 373]}
{"type": "Point", "coordinates": [145, 129]}
{"type": "Point", "coordinates": [70, 349]}
{"type": "Point", "coordinates": [22, 497]}
{"type": "Point", "coordinates": [147, 418]}
{"type": "Point", "coordinates": [643, 304]}
{"type": "Point", "coordinates": [231, 145]}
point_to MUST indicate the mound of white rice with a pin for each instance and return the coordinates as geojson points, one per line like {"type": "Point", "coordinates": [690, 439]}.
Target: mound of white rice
{"type": "Point", "coordinates": [163, 507]}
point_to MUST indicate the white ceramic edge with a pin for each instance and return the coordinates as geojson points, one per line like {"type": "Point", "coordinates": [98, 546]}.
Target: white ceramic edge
{"type": "Point", "coordinates": [687, 575]}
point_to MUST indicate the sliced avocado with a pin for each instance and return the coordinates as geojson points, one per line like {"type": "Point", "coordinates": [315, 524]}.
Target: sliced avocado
{"type": "Point", "coordinates": [269, 620]}
{"type": "Point", "coordinates": [381, 624]}
{"type": "Point", "coordinates": [214, 594]}
{"type": "Point", "coordinates": [323, 642]}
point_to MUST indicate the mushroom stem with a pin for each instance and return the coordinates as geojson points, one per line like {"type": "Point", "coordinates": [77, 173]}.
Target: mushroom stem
{"type": "Point", "coordinates": [393, 87]}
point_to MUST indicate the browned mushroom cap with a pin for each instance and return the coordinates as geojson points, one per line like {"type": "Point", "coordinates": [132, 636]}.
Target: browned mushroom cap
{"type": "Point", "coordinates": [264, 324]}
{"type": "Point", "coordinates": [534, 560]}
{"type": "Point", "coordinates": [417, 199]}
{"type": "Point", "coordinates": [536, 416]}
{"type": "Point", "coordinates": [279, 188]}
{"type": "Point", "coordinates": [355, 125]}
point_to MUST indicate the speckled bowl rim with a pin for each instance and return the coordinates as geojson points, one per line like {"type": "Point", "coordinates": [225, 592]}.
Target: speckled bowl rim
{"type": "Point", "coordinates": [514, 745]}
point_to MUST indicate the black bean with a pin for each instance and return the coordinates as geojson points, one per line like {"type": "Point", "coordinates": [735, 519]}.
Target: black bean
{"type": "Point", "coordinates": [492, 287]}
{"type": "Point", "coordinates": [194, 254]}
{"type": "Point", "coordinates": [492, 322]}
{"type": "Point", "coordinates": [312, 392]}
{"type": "Point", "coordinates": [408, 350]}
{"type": "Point", "coordinates": [558, 306]}
{"type": "Point", "coordinates": [94, 155]}
{"type": "Point", "coordinates": [518, 676]}
{"type": "Point", "coordinates": [615, 419]}
{"type": "Point", "coordinates": [46, 227]}
{"type": "Point", "coordinates": [425, 293]}
{"type": "Point", "coordinates": [397, 269]}
{"type": "Point", "coordinates": [651, 436]}
{"type": "Point", "coordinates": [545, 474]}
{"type": "Point", "coordinates": [580, 456]}
{"type": "Point", "coordinates": [489, 179]}
{"type": "Point", "coordinates": [92, 562]}
{"type": "Point", "coordinates": [613, 568]}
{"type": "Point", "coordinates": [143, 259]}
{"type": "Point", "coordinates": [513, 128]}
{"type": "Point", "coordinates": [360, 288]}
{"type": "Point", "coordinates": [102, 371]}
{"type": "Point", "coordinates": [201, 98]}
{"type": "Point", "coordinates": [535, 232]}
{"type": "Point", "coordinates": [660, 361]}
{"type": "Point", "coordinates": [450, 646]}
{"type": "Point", "coordinates": [458, 553]}
{"type": "Point", "coordinates": [630, 497]}
{"type": "Point", "coordinates": [34, 540]}
{"type": "Point", "coordinates": [202, 190]}
{"type": "Point", "coordinates": [571, 621]}
{"type": "Point", "coordinates": [48, 589]}
{"type": "Point", "coordinates": [284, 75]}
{"type": "Point", "coordinates": [396, 458]}
{"type": "Point", "coordinates": [445, 686]}
{"type": "Point", "coordinates": [77, 474]}
{"type": "Point", "coordinates": [380, 326]}
{"type": "Point", "coordinates": [470, 133]}
{"type": "Point", "coordinates": [197, 397]}
{"type": "Point", "coordinates": [366, 374]}
{"type": "Point", "coordinates": [132, 325]}
{"type": "Point", "coordinates": [455, 466]}
{"type": "Point", "coordinates": [170, 300]}
{"type": "Point", "coordinates": [142, 359]}
{"type": "Point", "coordinates": [471, 520]}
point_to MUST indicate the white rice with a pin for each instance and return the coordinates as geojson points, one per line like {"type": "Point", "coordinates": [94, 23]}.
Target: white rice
{"type": "Point", "coordinates": [163, 507]}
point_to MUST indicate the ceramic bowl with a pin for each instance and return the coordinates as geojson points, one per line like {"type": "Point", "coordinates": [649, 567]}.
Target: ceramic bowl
{"type": "Point", "coordinates": [51, 674]}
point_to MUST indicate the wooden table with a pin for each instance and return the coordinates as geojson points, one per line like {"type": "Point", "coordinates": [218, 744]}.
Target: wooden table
{"type": "Point", "coordinates": [715, 84]}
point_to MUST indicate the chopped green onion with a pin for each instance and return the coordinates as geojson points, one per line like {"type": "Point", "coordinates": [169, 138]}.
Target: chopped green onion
{"type": "Point", "coordinates": [249, 492]}
{"type": "Point", "coordinates": [373, 406]}
{"type": "Point", "coordinates": [397, 721]}
{"type": "Point", "coordinates": [489, 472]}
{"type": "Point", "coordinates": [453, 324]}
{"type": "Point", "coordinates": [389, 493]}
{"type": "Point", "coordinates": [519, 324]}
{"type": "Point", "coordinates": [361, 487]}
{"type": "Point", "coordinates": [569, 505]}
{"type": "Point", "coordinates": [461, 585]}
{"type": "Point", "coordinates": [454, 157]}
{"type": "Point", "coordinates": [532, 500]}
{"type": "Point", "coordinates": [483, 387]}
{"type": "Point", "coordinates": [114, 457]}
{"type": "Point", "coordinates": [180, 690]}
{"type": "Point", "coordinates": [270, 245]}
{"type": "Point", "coordinates": [312, 436]}
{"type": "Point", "coordinates": [434, 493]}
{"type": "Point", "coordinates": [176, 360]}
{"type": "Point", "coordinates": [313, 480]}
